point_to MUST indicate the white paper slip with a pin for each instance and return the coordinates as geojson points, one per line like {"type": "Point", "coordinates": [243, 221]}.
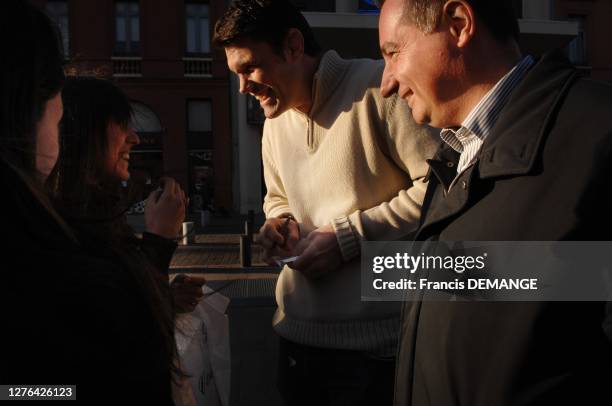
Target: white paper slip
{"type": "Point", "coordinates": [286, 261]}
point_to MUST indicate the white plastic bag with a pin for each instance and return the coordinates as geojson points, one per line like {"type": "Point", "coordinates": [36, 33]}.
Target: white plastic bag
{"type": "Point", "coordinates": [202, 339]}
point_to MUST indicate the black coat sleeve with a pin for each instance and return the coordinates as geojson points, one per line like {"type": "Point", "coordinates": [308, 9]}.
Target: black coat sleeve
{"type": "Point", "coordinates": [83, 321]}
{"type": "Point", "coordinates": [159, 250]}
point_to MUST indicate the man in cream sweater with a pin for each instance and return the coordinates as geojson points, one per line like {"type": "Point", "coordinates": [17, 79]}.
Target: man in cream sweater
{"type": "Point", "coordinates": [341, 165]}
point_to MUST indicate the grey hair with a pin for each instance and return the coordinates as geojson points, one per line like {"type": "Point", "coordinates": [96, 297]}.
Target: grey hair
{"type": "Point", "coordinates": [424, 14]}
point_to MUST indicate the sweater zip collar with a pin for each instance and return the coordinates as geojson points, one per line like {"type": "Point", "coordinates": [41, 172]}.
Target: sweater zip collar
{"type": "Point", "coordinates": [330, 73]}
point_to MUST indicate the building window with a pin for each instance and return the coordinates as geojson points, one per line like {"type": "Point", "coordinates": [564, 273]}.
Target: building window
{"type": "Point", "coordinates": [368, 6]}
{"type": "Point", "coordinates": [199, 112]}
{"type": "Point", "coordinates": [148, 126]}
{"type": "Point", "coordinates": [201, 150]}
{"type": "Point", "coordinates": [127, 28]}
{"type": "Point", "coordinates": [199, 124]}
{"type": "Point", "coordinates": [576, 50]}
{"type": "Point", "coordinates": [58, 12]}
{"type": "Point", "coordinates": [146, 159]}
{"type": "Point", "coordinates": [197, 28]}
{"type": "Point", "coordinates": [537, 9]}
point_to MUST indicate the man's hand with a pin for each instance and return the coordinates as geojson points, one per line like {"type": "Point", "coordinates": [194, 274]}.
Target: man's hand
{"type": "Point", "coordinates": [165, 209]}
{"type": "Point", "coordinates": [319, 253]}
{"type": "Point", "coordinates": [278, 237]}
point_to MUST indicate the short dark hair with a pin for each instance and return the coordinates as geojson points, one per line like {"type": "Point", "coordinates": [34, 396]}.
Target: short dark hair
{"type": "Point", "coordinates": [498, 16]}
{"type": "Point", "coordinates": [263, 20]}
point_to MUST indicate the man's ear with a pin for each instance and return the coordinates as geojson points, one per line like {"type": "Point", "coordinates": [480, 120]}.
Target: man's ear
{"type": "Point", "coordinates": [293, 46]}
{"type": "Point", "coordinates": [459, 18]}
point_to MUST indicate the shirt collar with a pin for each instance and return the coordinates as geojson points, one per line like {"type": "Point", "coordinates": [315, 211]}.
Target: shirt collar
{"type": "Point", "coordinates": [482, 118]}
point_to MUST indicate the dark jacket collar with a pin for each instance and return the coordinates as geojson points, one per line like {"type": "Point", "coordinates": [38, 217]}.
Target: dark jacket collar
{"type": "Point", "coordinates": [520, 130]}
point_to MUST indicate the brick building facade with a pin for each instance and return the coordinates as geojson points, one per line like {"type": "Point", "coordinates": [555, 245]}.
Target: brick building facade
{"type": "Point", "coordinates": [159, 53]}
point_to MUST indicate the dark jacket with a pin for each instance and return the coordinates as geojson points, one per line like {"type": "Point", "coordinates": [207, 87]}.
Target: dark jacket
{"type": "Point", "coordinates": [72, 314]}
{"type": "Point", "coordinates": [542, 174]}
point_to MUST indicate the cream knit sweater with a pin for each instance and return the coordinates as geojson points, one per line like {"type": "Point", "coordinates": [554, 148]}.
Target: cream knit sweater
{"type": "Point", "coordinates": [356, 161]}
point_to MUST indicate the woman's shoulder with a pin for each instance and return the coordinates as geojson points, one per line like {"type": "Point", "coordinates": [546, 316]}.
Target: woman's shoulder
{"type": "Point", "coordinates": [81, 319]}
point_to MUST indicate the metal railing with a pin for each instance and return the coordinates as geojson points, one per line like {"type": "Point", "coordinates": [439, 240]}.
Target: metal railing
{"type": "Point", "coordinates": [197, 67]}
{"type": "Point", "coordinates": [127, 66]}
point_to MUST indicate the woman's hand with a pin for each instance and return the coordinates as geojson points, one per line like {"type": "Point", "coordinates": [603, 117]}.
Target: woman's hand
{"type": "Point", "coordinates": [165, 209]}
{"type": "Point", "coordinates": [187, 293]}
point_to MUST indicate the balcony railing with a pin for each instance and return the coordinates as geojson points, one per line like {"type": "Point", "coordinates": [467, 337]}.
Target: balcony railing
{"type": "Point", "coordinates": [197, 67]}
{"type": "Point", "coordinates": [127, 66]}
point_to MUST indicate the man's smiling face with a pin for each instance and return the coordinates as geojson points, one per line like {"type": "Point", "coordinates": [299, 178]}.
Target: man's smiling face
{"type": "Point", "coordinates": [263, 73]}
{"type": "Point", "coordinates": [418, 67]}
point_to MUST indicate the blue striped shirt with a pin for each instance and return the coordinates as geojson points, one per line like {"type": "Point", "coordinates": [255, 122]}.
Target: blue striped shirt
{"type": "Point", "coordinates": [468, 139]}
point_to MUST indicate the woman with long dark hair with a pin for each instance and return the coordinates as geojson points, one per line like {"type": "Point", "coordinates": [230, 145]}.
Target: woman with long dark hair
{"type": "Point", "coordinates": [96, 142]}
{"type": "Point", "coordinates": [74, 312]}
{"type": "Point", "coordinates": [94, 159]}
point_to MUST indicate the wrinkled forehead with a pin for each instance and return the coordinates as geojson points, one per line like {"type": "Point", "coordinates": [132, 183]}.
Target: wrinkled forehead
{"type": "Point", "coordinates": [390, 21]}
{"type": "Point", "coordinates": [393, 13]}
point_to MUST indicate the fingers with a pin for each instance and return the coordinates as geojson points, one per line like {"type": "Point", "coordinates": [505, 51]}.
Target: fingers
{"type": "Point", "coordinates": [193, 293]}
{"type": "Point", "coordinates": [172, 189]}
{"type": "Point", "coordinates": [186, 307]}
{"type": "Point", "coordinates": [302, 246]}
{"type": "Point", "coordinates": [171, 199]}
{"type": "Point", "coordinates": [269, 234]}
{"type": "Point", "coordinates": [165, 185]}
{"type": "Point", "coordinates": [187, 280]}
{"type": "Point", "coordinates": [153, 197]}
{"type": "Point", "coordinates": [278, 238]}
{"type": "Point", "coordinates": [270, 256]}
{"type": "Point", "coordinates": [197, 281]}
{"type": "Point", "coordinates": [183, 197]}
{"type": "Point", "coordinates": [306, 256]}
{"type": "Point", "coordinates": [318, 254]}
{"type": "Point", "coordinates": [187, 293]}
{"type": "Point", "coordinates": [165, 182]}
{"type": "Point", "coordinates": [179, 194]}
{"type": "Point", "coordinates": [293, 236]}
{"type": "Point", "coordinates": [169, 187]}
{"type": "Point", "coordinates": [311, 261]}
{"type": "Point", "coordinates": [267, 257]}
{"type": "Point", "coordinates": [311, 266]}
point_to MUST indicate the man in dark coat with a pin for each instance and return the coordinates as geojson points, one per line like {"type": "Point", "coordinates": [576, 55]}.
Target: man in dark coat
{"type": "Point", "coordinates": [527, 157]}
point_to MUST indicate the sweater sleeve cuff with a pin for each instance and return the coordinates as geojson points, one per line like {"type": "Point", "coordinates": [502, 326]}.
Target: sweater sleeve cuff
{"type": "Point", "coordinates": [349, 244]}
